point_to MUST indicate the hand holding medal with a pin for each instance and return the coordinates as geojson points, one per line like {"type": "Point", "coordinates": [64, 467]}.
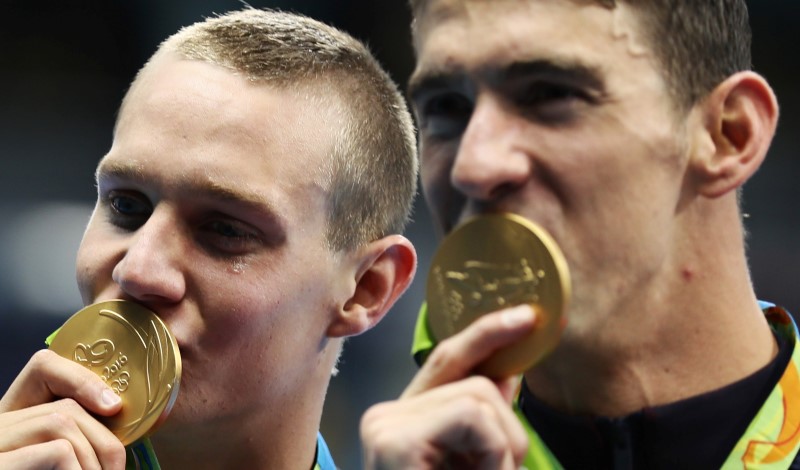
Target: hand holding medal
{"type": "Point", "coordinates": [132, 350]}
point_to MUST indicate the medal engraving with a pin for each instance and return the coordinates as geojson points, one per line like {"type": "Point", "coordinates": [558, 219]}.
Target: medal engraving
{"type": "Point", "coordinates": [493, 262]}
{"type": "Point", "coordinates": [486, 287]}
{"type": "Point", "coordinates": [132, 350]}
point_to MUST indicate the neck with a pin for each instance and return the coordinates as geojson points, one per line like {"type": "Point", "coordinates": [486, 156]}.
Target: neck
{"type": "Point", "coordinates": [280, 434]}
{"type": "Point", "coordinates": [242, 443]}
{"type": "Point", "coordinates": [693, 327]}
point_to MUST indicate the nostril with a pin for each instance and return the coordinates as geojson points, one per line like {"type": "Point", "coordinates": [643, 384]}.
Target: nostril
{"type": "Point", "coordinates": [502, 190]}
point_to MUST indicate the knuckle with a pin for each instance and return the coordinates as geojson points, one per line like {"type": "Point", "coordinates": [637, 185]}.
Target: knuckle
{"type": "Point", "coordinates": [372, 414]}
{"type": "Point", "coordinates": [40, 360]}
{"type": "Point", "coordinates": [443, 355]}
{"type": "Point", "coordinates": [86, 383]}
{"type": "Point", "coordinates": [373, 419]}
{"type": "Point", "coordinates": [68, 406]}
{"type": "Point", "coordinates": [62, 450]}
{"type": "Point", "coordinates": [519, 442]}
{"type": "Point", "coordinates": [112, 451]}
{"type": "Point", "coordinates": [382, 441]}
{"type": "Point", "coordinates": [468, 407]}
{"type": "Point", "coordinates": [61, 421]}
{"type": "Point", "coordinates": [482, 386]}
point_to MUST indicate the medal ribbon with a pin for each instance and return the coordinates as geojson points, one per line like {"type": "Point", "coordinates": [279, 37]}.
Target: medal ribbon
{"type": "Point", "coordinates": [772, 440]}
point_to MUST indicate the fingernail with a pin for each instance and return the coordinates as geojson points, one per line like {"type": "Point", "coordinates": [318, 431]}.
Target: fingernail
{"type": "Point", "coordinates": [110, 398]}
{"type": "Point", "coordinates": [515, 316]}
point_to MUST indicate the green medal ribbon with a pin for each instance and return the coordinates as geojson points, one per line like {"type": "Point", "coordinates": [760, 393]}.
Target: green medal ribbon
{"type": "Point", "coordinates": [772, 440]}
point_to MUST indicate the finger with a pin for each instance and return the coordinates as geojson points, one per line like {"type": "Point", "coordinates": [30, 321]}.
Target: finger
{"type": "Point", "coordinates": [48, 426]}
{"type": "Point", "coordinates": [465, 422]}
{"type": "Point", "coordinates": [508, 388]}
{"type": "Point", "coordinates": [484, 442]}
{"type": "Point", "coordinates": [56, 455]}
{"type": "Point", "coordinates": [480, 444]}
{"type": "Point", "coordinates": [456, 357]}
{"type": "Point", "coordinates": [495, 407]}
{"type": "Point", "coordinates": [455, 434]}
{"type": "Point", "coordinates": [48, 376]}
{"type": "Point", "coordinates": [93, 444]}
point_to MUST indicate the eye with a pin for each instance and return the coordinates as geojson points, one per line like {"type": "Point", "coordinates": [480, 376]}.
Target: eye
{"type": "Point", "coordinates": [128, 210]}
{"type": "Point", "coordinates": [548, 92]}
{"type": "Point", "coordinates": [444, 115]}
{"type": "Point", "coordinates": [550, 102]}
{"type": "Point", "coordinates": [226, 230]}
{"type": "Point", "coordinates": [229, 237]}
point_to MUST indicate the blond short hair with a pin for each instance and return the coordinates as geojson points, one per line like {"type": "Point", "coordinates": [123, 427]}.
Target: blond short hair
{"type": "Point", "coordinates": [372, 171]}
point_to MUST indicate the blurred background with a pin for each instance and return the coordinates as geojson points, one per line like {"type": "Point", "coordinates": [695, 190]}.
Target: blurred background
{"type": "Point", "coordinates": [65, 67]}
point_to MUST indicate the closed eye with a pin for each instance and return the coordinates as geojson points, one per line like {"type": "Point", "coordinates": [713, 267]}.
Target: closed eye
{"type": "Point", "coordinates": [549, 102]}
{"type": "Point", "coordinates": [229, 236]}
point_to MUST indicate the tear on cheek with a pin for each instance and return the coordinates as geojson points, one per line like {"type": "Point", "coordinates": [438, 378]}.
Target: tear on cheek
{"type": "Point", "coordinates": [238, 266]}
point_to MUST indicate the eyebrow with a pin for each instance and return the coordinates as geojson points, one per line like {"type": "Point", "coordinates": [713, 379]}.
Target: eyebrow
{"type": "Point", "coordinates": [566, 70]}
{"type": "Point", "coordinates": [196, 186]}
{"type": "Point", "coordinates": [428, 79]}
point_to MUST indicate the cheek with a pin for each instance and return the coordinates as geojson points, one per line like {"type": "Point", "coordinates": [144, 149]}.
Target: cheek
{"type": "Point", "coordinates": [435, 178]}
{"type": "Point", "coordinates": [83, 275]}
{"type": "Point", "coordinates": [430, 171]}
{"type": "Point", "coordinates": [236, 327]}
{"type": "Point", "coordinates": [264, 334]}
{"type": "Point", "coordinates": [93, 265]}
{"type": "Point", "coordinates": [244, 312]}
{"type": "Point", "coordinates": [431, 187]}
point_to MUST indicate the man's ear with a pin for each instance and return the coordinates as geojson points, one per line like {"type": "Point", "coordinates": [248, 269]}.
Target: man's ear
{"type": "Point", "coordinates": [385, 270]}
{"type": "Point", "coordinates": [740, 118]}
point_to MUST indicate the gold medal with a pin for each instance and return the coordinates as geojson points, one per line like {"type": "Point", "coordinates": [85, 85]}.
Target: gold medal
{"type": "Point", "coordinates": [497, 261]}
{"type": "Point", "coordinates": [135, 354]}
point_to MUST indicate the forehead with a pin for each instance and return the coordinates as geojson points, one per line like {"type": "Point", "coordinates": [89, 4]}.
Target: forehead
{"type": "Point", "coordinates": [471, 34]}
{"type": "Point", "coordinates": [204, 116]}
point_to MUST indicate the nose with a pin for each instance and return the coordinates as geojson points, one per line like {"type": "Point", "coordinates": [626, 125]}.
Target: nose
{"type": "Point", "coordinates": [151, 268]}
{"type": "Point", "coordinates": [491, 159]}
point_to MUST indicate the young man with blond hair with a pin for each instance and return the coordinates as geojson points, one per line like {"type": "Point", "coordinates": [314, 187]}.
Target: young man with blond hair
{"type": "Point", "coordinates": [244, 201]}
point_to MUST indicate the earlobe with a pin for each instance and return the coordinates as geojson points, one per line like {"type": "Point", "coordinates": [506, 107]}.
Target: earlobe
{"type": "Point", "coordinates": [386, 268]}
{"type": "Point", "coordinates": [741, 115]}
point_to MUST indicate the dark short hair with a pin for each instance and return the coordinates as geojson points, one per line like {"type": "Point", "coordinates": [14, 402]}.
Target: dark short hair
{"type": "Point", "coordinates": [698, 43]}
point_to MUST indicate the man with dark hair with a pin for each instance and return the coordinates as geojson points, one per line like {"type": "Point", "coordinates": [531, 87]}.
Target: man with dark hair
{"type": "Point", "coordinates": [243, 201]}
{"type": "Point", "coordinates": [625, 129]}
